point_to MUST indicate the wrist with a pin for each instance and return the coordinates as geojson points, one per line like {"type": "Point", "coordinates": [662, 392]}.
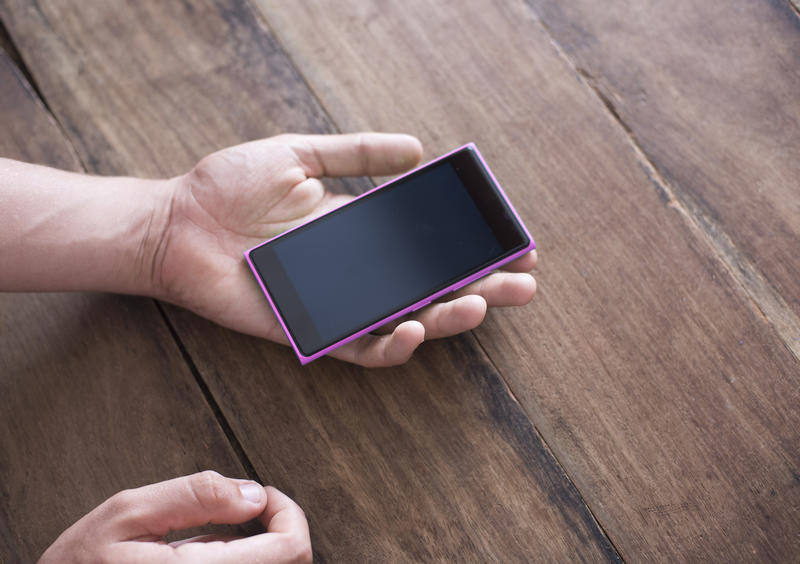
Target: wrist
{"type": "Point", "coordinates": [62, 231]}
{"type": "Point", "coordinates": [152, 237]}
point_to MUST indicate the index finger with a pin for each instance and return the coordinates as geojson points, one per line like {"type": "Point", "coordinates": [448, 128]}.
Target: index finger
{"type": "Point", "coordinates": [354, 154]}
{"type": "Point", "coordinates": [287, 540]}
{"type": "Point", "coordinates": [283, 515]}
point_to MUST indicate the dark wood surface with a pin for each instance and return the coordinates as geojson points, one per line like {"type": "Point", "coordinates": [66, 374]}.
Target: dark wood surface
{"type": "Point", "coordinates": [644, 407]}
{"type": "Point", "coordinates": [670, 400]}
{"type": "Point", "coordinates": [374, 457]}
{"type": "Point", "coordinates": [717, 114]}
{"type": "Point", "coordinates": [94, 394]}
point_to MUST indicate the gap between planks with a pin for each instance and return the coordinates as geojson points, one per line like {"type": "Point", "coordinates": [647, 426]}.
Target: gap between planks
{"type": "Point", "coordinates": [29, 82]}
{"type": "Point", "coordinates": [222, 421]}
{"type": "Point", "coordinates": [261, 19]}
{"type": "Point", "coordinates": [763, 298]}
{"type": "Point", "coordinates": [547, 448]}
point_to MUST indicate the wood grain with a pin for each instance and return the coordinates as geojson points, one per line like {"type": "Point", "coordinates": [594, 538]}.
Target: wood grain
{"type": "Point", "coordinates": [94, 395]}
{"type": "Point", "coordinates": [433, 461]}
{"type": "Point", "coordinates": [710, 94]}
{"type": "Point", "coordinates": [669, 399]}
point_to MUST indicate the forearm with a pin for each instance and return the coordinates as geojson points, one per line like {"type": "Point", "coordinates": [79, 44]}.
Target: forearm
{"type": "Point", "coordinates": [61, 231]}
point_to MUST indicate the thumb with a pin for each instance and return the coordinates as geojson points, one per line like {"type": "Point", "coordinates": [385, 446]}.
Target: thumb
{"type": "Point", "coordinates": [190, 501]}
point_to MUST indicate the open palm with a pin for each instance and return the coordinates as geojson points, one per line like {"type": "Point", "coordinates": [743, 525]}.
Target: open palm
{"type": "Point", "coordinates": [235, 198]}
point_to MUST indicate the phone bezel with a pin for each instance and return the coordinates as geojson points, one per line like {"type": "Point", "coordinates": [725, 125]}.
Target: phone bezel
{"type": "Point", "coordinates": [499, 198]}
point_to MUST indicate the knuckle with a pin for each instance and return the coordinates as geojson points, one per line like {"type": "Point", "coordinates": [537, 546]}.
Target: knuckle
{"type": "Point", "coordinates": [362, 150]}
{"type": "Point", "coordinates": [210, 488]}
{"type": "Point", "coordinates": [300, 550]}
{"type": "Point", "coordinates": [121, 502]}
{"type": "Point", "coordinates": [122, 507]}
{"type": "Point", "coordinates": [306, 555]}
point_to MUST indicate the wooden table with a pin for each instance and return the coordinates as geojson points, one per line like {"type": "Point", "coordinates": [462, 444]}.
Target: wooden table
{"type": "Point", "coordinates": [646, 406]}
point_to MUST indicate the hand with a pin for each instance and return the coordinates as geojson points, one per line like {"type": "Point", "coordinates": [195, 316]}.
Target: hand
{"type": "Point", "coordinates": [240, 196]}
{"type": "Point", "coordinates": [129, 527]}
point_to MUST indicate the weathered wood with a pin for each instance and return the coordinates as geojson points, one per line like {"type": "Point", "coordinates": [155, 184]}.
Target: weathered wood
{"type": "Point", "coordinates": [668, 398]}
{"type": "Point", "coordinates": [434, 460]}
{"type": "Point", "coordinates": [710, 93]}
{"type": "Point", "coordinates": [29, 132]}
{"type": "Point", "coordinates": [94, 395]}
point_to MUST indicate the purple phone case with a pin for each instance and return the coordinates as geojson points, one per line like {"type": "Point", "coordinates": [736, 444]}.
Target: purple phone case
{"type": "Point", "coordinates": [423, 302]}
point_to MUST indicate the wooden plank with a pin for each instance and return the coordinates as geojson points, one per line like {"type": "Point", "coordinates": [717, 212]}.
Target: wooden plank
{"type": "Point", "coordinates": [431, 461]}
{"type": "Point", "coordinates": [710, 93]}
{"type": "Point", "coordinates": [668, 398]}
{"type": "Point", "coordinates": [94, 395]}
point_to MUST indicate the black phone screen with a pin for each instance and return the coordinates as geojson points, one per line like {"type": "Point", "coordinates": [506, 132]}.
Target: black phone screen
{"type": "Point", "coordinates": [387, 250]}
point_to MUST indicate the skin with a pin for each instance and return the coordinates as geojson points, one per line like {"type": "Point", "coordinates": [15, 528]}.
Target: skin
{"type": "Point", "coordinates": [181, 240]}
{"type": "Point", "coordinates": [129, 526]}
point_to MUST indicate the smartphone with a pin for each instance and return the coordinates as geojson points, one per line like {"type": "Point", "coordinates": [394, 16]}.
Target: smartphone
{"type": "Point", "coordinates": [388, 252]}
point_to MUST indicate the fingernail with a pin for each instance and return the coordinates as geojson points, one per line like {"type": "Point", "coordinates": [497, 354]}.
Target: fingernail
{"type": "Point", "coordinates": [251, 492]}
